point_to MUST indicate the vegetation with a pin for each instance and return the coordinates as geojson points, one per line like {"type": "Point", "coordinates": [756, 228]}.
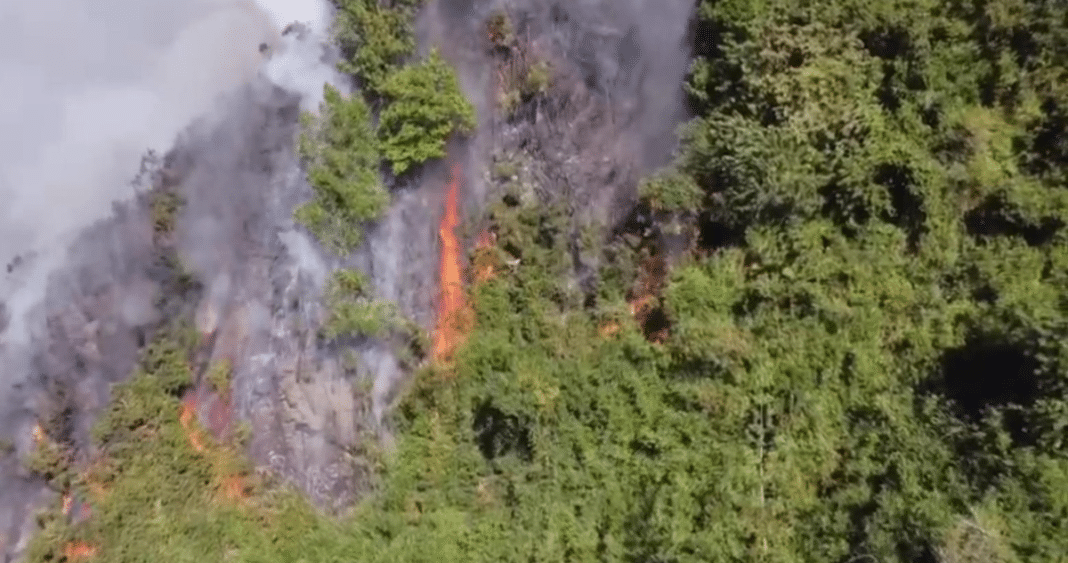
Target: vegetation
{"type": "Point", "coordinates": [376, 38]}
{"type": "Point", "coordinates": [219, 375]}
{"type": "Point", "coordinates": [342, 162]}
{"type": "Point", "coordinates": [865, 349]}
{"type": "Point", "coordinates": [417, 106]}
{"type": "Point", "coordinates": [425, 108]}
{"type": "Point", "coordinates": [153, 495]}
{"type": "Point", "coordinates": [670, 190]}
{"type": "Point", "coordinates": [165, 205]}
{"type": "Point", "coordinates": [521, 76]}
{"type": "Point", "coordinates": [354, 312]}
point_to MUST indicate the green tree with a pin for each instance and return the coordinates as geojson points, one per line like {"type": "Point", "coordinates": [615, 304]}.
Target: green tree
{"type": "Point", "coordinates": [342, 161]}
{"type": "Point", "coordinates": [425, 107]}
{"type": "Point", "coordinates": [376, 38]}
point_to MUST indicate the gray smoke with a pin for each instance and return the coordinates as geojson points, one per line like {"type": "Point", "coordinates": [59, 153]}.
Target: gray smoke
{"type": "Point", "coordinates": [611, 115]}
{"type": "Point", "coordinates": [615, 99]}
{"type": "Point", "coordinates": [85, 88]}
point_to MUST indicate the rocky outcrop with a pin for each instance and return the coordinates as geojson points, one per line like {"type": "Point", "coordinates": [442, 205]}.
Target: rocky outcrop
{"type": "Point", "coordinates": [210, 243]}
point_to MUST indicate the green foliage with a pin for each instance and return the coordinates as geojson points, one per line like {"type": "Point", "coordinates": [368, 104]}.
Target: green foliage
{"type": "Point", "coordinates": [376, 38]}
{"type": "Point", "coordinates": [505, 170]}
{"type": "Point", "coordinates": [368, 318]}
{"type": "Point", "coordinates": [671, 191]}
{"type": "Point", "coordinates": [872, 371]}
{"type": "Point", "coordinates": [165, 207]}
{"type": "Point", "coordinates": [522, 75]}
{"type": "Point", "coordinates": [219, 375]}
{"type": "Point", "coordinates": [157, 490]}
{"type": "Point", "coordinates": [417, 106]}
{"type": "Point", "coordinates": [51, 461]}
{"type": "Point", "coordinates": [538, 79]}
{"type": "Point", "coordinates": [342, 162]}
{"type": "Point", "coordinates": [355, 313]}
{"type": "Point", "coordinates": [349, 282]}
{"type": "Point", "coordinates": [425, 107]}
{"type": "Point", "coordinates": [500, 29]}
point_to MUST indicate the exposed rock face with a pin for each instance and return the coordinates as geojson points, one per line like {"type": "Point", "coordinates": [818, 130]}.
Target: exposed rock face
{"type": "Point", "coordinates": [100, 309]}
{"type": "Point", "coordinates": [576, 101]}
{"type": "Point", "coordinates": [235, 267]}
{"type": "Point", "coordinates": [261, 307]}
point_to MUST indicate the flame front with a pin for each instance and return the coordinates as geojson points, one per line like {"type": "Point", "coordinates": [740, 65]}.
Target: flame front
{"type": "Point", "coordinates": [78, 550]}
{"type": "Point", "coordinates": [451, 297]}
{"type": "Point", "coordinates": [188, 420]}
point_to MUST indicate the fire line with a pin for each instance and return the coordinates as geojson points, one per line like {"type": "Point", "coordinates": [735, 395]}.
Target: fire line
{"type": "Point", "coordinates": [451, 297]}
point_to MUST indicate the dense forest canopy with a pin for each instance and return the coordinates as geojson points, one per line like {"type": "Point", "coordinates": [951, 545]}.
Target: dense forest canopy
{"type": "Point", "coordinates": [860, 357]}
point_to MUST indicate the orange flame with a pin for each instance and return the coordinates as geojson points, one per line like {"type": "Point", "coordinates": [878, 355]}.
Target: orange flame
{"type": "Point", "coordinates": [39, 436]}
{"type": "Point", "coordinates": [485, 264]}
{"type": "Point", "coordinates": [233, 488]}
{"type": "Point", "coordinates": [78, 550]}
{"type": "Point", "coordinates": [187, 419]}
{"type": "Point", "coordinates": [229, 486]}
{"type": "Point", "coordinates": [451, 300]}
{"type": "Point", "coordinates": [609, 329]}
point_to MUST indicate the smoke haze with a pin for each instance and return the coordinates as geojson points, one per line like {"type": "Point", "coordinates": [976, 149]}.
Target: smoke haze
{"type": "Point", "coordinates": [86, 86]}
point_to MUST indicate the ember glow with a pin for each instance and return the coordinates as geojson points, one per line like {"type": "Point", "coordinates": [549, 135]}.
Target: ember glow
{"type": "Point", "coordinates": [233, 488]}
{"type": "Point", "coordinates": [485, 263]}
{"type": "Point", "coordinates": [78, 551]}
{"type": "Point", "coordinates": [39, 437]}
{"type": "Point", "coordinates": [230, 486]}
{"type": "Point", "coordinates": [188, 420]}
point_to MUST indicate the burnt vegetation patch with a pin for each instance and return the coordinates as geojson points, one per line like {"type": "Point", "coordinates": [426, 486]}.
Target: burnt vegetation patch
{"type": "Point", "coordinates": [651, 269]}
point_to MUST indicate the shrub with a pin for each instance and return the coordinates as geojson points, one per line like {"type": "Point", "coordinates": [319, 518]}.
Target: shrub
{"type": "Point", "coordinates": [425, 107]}
{"type": "Point", "coordinates": [342, 159]}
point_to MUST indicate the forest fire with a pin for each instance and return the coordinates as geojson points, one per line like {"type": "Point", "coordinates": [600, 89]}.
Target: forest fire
{"type": "Point", "coordinates": [231, 485]}
{"type": "Point", "coordinates": [644, 300]}
{"type": "Point", "coordinates": [451, 302]}
{"type": "Point", "coordinates": [78, 551]}
{"type": "Point", "coordinates": [484, 262]}
{"type": "Point", "coordinates": [233, 488]}
{"type": "Point", "coordinates": [39, 436]}
{"type": "Point", "coordinates": [187, 418]}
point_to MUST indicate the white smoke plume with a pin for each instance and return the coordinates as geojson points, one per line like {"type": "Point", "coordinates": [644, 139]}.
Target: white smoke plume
{"type": "Point", "coordinates": [86, 86]}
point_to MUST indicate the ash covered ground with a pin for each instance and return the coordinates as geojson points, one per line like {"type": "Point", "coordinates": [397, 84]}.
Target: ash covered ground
{"type": "Point", "coordinates": [89, 280]}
